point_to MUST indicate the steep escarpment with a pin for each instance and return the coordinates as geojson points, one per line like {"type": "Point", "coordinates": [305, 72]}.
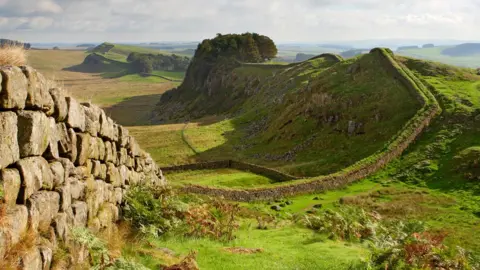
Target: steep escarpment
{"type": "Point", "coordinates": [62, 165]}
{"type": "Point", "coordinates": [399, 142]}
{"type": "Point", "coordinates": [305, 119]}
{"type": "Point", "coordinates": [206, 87]}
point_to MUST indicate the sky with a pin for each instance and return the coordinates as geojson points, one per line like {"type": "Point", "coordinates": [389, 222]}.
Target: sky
{"type": "Point", "coordinates": [193, 20]}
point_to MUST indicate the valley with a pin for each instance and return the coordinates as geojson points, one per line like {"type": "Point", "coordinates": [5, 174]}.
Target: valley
{"type": "Point", "coordinates": [385, 156]}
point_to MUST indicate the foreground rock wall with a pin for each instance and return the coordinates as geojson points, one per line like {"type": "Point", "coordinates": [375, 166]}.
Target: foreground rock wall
{"type": "Point", "coordinates": [62, 165]}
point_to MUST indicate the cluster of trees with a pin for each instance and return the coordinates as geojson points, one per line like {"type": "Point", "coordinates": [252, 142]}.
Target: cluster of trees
{"type": "Point", "coordinates": [8, 42]}
{"type": "Point", "coordinates": [247, 47]}
{"type": "Point", "coordinates": [146, 63]}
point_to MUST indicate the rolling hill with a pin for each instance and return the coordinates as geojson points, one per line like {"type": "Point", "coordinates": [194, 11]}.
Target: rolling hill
{"type": "Point", "coordinates": [310, 118]}
{"type": "Point", "coordinates": [326, 121]}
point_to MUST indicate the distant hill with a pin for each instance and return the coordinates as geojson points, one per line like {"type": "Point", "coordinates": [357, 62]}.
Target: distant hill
{"type": "Point", "coordinates": [303, 57]}
{"type": "Point", "coordinates": [466, 49]}
{"type": "Point", "coordinates": [429, 45]}
{"type": "Point", "coordinates": [8, 42]}
{"type": "Point", "coordinates": [336, 46]}
{"type": "Point", "coordinates": [353, 52]}
{"type": "Point", "coordinates": [116, 60]}
{"type": "Point", "coordinates": [403, 48]}
{"type": "Point", "coordinates": [85, 45]}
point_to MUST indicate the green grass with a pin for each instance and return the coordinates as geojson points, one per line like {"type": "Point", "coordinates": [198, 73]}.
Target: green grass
{"type": "Point", "coordinates": [218, 178]}
{"type": "Point", "coordinates": [283, 248]}
{"type": "Point", "coordinates": [141, 78]}
{"type": "Point", "coordinates": [173, 75]}
{"type": "Point", "coordinates": [164, 143]}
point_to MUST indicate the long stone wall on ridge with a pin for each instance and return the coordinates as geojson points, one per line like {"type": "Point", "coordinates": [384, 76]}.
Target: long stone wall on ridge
{"type": "Point", "coordinates": [63, 164]}
{"type": "Point", "coordinates": [361, 169]}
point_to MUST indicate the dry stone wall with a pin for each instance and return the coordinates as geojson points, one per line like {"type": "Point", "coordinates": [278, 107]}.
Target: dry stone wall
{"type": "Point", "coordinates": [361, 169]}
{"type": "Point", "coordinates": [63, 164]}
{"type": "Point", "coordinates": [242, 166]}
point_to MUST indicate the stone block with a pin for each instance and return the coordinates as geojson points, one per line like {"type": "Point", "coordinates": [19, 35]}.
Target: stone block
{"type": "Point", "coordinates": [67, 146]}
{"type": "Point", "coordinates": [33, 133]}
{"type": "Point", "coordinates": [93, 152]}
{"type": "Point", "coordinates": [96, 196]}
{"type": "Point", "coordinates": [101, 149]}
{"type": "Point", "coordinates": [103, 171]}
{"type": "Point", "coordinates": [65, 196]}
{"type": "Point", "coordinates": [80, 213]}
{"type": "Point", "coordinates": [61, 226]}
{"type": "Point", "coordinates": [10, 181]}
{"type": "Point", "coordinates": [8, 139]}
{"type": "Point", "coordinates": [58, 173]}
{"type": "Point", "coordinates": [43, 207]}
{"type": "Point", "coordinates": [106, 126]}
{"type": "Point", "coordinates": [76, 115]}
{"type": "Point", "coordinates": [52, 149]}
{"type": "Point", "coordinates": [36, 174]}
{"type": "Point", "coordinates": [83, 148]}
{"type": "Point", "coordinates": [113, 175]}
{"type": "Point", "coordinates": [123, 136]}
{"type": "Point", "coordinates": [38, 96]}
{"type": "Point", "coordinates": [92, 120]}
{"type": "Point", "coordinates": [77, 189]}
{"type": "Point", "coordinates": [13, 88]}
{"type": "Point", "coordinates": [60, 104]}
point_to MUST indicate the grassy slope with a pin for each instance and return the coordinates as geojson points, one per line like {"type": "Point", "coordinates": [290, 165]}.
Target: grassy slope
{"type": "Point", "coordinates": [435, 54]}
{"type": "Point", "coordinates": [290, 112]}
{"type": "Point", "coordinates": [219, 178]}
{"type": "Point", "coordinates": [129, 102]}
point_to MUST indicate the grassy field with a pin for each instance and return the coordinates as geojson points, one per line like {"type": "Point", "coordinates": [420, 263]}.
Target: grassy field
{"type": "Point", "coordinates": [218, 178]}
{"type": "Point", "coordinates": [128, 100]}
{"type": "Point", "coordinates": [435, 54]}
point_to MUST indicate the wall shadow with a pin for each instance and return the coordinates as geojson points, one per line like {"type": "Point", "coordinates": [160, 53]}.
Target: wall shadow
{"type": "Point", "coordinates": [134, 111]}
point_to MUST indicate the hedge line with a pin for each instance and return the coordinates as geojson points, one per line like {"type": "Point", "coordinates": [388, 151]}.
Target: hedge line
{"type": "Point", "coordinates": [365, 167]}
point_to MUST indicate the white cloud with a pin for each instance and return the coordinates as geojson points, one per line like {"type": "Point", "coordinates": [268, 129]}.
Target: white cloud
{"type": "Point", "coordinates": [284, 20]}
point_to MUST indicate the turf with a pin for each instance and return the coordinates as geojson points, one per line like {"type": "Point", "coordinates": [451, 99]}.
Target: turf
{"type": "Point", "coordinates": [283, 248]}
{"type": "Point", "coordinates": [218, 178]}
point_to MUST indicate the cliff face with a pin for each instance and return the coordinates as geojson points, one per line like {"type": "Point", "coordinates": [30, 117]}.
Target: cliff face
{"type": "Point", "coordinates": [207, 87]}
{"type": "Point", "coordinates": [62, 165]}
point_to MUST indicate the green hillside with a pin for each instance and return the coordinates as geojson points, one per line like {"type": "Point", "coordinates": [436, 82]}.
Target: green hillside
{"type": "Point", "coordinates": [307, 119]}
{"type": "Point", "coordinates": [133, 63]}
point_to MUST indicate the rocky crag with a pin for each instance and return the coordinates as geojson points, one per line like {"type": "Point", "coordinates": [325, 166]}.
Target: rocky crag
{"type": "Point", "coordinates": [62, 165]}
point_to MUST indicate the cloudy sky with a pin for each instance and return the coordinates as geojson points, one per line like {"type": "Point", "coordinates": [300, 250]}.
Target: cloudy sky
{"type": "Point", "coordinates": [192, 20]}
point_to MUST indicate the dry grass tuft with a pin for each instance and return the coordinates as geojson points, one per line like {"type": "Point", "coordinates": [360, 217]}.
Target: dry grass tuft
{"type": "Point", "coordinates": [12, 56]}
{"type": "Point", "coordinates": [11, 259]}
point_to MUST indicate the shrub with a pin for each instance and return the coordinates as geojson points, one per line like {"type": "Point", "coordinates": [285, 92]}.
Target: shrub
{"type": "Point", "coordinates": [394, 244]}
{"type": "Point", "coordinates": [98, 251]}
{"type": "Point", "coordinates": [153, 210]}
{"type": "Point", "coordinates": [215, 220]}
{"type": "Point", "coordinates": [347, 224]}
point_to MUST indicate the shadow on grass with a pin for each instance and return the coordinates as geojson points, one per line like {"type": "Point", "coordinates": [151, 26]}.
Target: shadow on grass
{"type": "Point", "coordinates": [133, 111]}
